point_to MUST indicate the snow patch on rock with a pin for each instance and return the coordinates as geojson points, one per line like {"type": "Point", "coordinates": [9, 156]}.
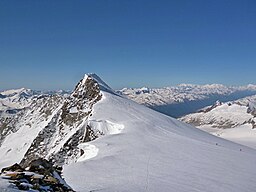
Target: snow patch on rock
{"type": "Point", "coordinates": [88, 151]}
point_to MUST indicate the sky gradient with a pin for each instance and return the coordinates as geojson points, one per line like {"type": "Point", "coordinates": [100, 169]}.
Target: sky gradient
{"type": "Point", "coordinates": [51, 44]}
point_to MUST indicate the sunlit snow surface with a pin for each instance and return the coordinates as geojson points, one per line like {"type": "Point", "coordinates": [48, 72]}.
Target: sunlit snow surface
{"type": "Point", "coordinates": [139, 149]}
{"type": "Point", "coordinates": [243, 134]}
{"type": "Point", "coordinates": [154, 152]}
{"type": "Point", "coordinates": [231, 120]}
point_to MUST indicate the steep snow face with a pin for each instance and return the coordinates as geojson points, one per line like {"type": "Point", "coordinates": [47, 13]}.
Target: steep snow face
{"type": "Point", "coordinates": [233, 120]}
{"type": "Point", "coordinates": [153, 152]}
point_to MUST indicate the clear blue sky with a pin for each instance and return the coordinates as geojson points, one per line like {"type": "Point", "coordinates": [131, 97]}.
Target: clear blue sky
{"type": "Point", "coordinates": [50, 44]}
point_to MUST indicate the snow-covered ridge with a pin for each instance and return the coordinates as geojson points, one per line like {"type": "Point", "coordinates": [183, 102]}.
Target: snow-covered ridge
{"type": "Point", "coordinates": [225, 115]}
{"type": "Point", "coordinates": [103, 86]}
{"type": "Point", "coordinates": [153, 153]}
{"type": "Point", "coordinates": [110, 143]}
{"type": "Point", "coordinates": [16, 91]}
{"type": "Point", "coordinates": [238, 118]}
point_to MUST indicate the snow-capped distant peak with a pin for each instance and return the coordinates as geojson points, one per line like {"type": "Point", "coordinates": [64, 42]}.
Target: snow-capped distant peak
{"type": "Point", "coordinates": [251, 86]}
{"type": "Point", "coordinates": [88, 88]}
{"type": "Point", "coordinates": [186, 85]}
{"type": "Point", "coordinates": [14, 91]}
{"type": "Point", "coordinates": [233, 120]}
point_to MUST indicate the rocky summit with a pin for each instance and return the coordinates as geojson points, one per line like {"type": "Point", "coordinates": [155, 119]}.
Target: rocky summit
{"type": "Point", "coordinates": [101, 141]}
{"type": "Point", "coordinates": [57, 123]}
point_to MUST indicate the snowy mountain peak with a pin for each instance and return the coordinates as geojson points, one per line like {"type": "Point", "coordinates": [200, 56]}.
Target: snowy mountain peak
{"type": "Point", "coordinates": [139, 149]}
{"type": "Point", "coordinates": [15, 98]}
{"type": "Point", "coordinates": [102, 85]}
{"type": "Point", "coordinates": [87, 88]}
{"type": "Point", "coordinates": [21, 91]}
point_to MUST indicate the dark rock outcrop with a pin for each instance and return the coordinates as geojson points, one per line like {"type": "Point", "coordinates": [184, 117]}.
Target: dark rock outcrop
{"type": "Point", "coordinates": [40, 175]}
{"type": "Point", "coordinates": [69, 118]}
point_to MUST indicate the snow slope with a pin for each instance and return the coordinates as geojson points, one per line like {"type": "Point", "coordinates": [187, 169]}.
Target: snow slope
{"type": "Point", "coordinates": [109, 143]}
{"type": "Point", "coordinates": [154, 152]}
{"type": "Point", "coordinates": [243, 134]}
{"type": "Point", "coordinates": [234, 120]}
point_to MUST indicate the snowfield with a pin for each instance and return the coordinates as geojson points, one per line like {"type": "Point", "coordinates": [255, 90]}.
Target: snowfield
{"type": "Point", "coordinates": [234, 120]}
{"type": "Point", "coordinates": [158, 153]}
{"type": "Point", "coordinates": [243, 134]}
{"type": "Point", "coordinates": [112, 144]}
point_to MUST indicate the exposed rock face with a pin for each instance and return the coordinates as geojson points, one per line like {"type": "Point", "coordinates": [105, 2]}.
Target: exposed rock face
{"type": "Point", "coordinates": [40, 109]}
{"type": "Point", "coordinates": [251, 108]}
{"type": "Point", "coordinates": [40, 175]}
{"type": "Point", "coordinates": [90, 134]}
{"type": "Point", "coordinates": [52, 127]}
{"type": "Point", "coordinates": [67, 128]}
{"type": "Point", "coordinates": [70, 151]}
{"type": "Point", "coordinates": [15, 167]}
{"type": "Point", "coordinates": [5, 127]}
{"type": "Point", "coordinates": [79, 105]}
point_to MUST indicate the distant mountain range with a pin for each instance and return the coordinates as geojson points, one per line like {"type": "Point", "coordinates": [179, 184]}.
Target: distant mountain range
{"type": "Point", "coordinates": [14, 100]}
{"type": "Point", "coordinates": [186, 98]}
{"type": "Point", "coordinates": [174, 101]}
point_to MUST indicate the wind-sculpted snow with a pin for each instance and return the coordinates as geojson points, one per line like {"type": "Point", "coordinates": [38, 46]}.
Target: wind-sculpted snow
{"type": "Point", "coordinates": [106, 127]}
{"type": "Point", "coordinates": [88, 151]}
